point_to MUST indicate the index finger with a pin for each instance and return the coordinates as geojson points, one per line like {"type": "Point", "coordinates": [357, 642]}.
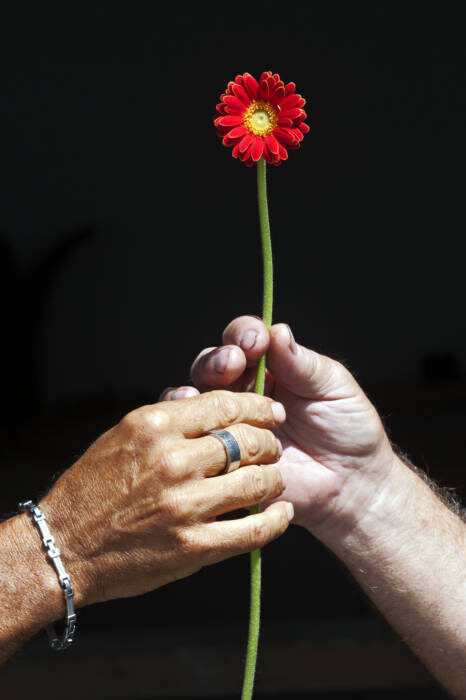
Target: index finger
{"type": "Point", "coordinates": [197, 415]}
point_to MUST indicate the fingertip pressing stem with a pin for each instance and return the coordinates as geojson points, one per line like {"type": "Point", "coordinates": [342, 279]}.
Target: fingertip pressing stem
{"type": "Point", "coordinates": [254, 619]}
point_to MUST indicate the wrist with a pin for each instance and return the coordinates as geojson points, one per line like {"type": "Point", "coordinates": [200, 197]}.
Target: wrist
{"type": "Point", "coordinates": [33, 598]}
{"type": "Point", "coordinates": [391, 519]}
{"type": "Point", "coordinates": [370, 501]}
{"type": "Point", "coordinates": [33, 564]}
{"type": "Point", "coordinates": [71, 548]}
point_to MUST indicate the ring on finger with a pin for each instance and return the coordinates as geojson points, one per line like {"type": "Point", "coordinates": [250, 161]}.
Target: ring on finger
{"type": "Point", "coordinates": [231, 447]}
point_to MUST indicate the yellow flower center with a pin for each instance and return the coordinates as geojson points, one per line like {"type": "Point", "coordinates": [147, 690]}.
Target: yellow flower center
{"type": "Point", "coordinates": [260, 118]}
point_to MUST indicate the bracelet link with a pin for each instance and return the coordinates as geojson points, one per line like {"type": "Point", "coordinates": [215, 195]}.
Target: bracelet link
{"type": "Point", "coordinates": [65, 640]}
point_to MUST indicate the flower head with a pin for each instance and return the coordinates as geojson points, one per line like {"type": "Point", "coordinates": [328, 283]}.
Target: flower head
{"type": "Point", "coordinates": [261, 118]}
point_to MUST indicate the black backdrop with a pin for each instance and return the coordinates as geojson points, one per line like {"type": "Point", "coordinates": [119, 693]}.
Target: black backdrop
{"type": "Point", "coordinates": [129, 239]}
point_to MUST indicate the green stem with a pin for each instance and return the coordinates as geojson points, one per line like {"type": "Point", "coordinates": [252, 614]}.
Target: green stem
{"type": "Point", "coordinates": [254, 619]}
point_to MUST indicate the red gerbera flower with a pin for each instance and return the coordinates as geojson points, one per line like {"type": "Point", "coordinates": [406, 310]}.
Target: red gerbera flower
{"type": "Point", "coordinates": [261, 118]}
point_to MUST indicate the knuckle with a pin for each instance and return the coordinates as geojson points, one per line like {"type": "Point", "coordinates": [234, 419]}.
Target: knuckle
{"type": "Point", "coordinates": [258, 484]}
{"type": "Point", "coordinates": [226, 406]}
{"type": "Point", "coordinates": [250, 441]}
{"type": "Point", "coordinates": [276, 479]}
{"type": "Point", "coordinates": [337, 369]}
{"type": "Point", "coordinates": [190, 542]}
{"type": "Point", "coordinates": [145, 421]}
{"type": "Point", "coordinates": [130, 423]}
{"type": "Point", "coordinates": [339, 374]}
{"type": "Point", "coordinates": [261, 532]}
{"type": "Point", "coordinates": [157, 418]}
{"type": "Point", "coordinates": [171, 464]}
{"type": "Point", "coordinates": [179, 506]}
{"type": "Point", "coordinates": [272, 446]}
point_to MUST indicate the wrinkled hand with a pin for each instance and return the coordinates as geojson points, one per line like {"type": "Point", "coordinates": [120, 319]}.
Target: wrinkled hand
{"type": "Point", "coordinates": [139, 509]}
{"type": "Point", "coordinates": [336, 453]}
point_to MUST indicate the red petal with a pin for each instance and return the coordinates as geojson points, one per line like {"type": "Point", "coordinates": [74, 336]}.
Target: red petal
{"type": "Point", "coordinates": [289, 89]}
{"type": "Point", "coordinates": [236, 112]}
{"type": "Point", "coordinates": [238, 132]}
{"type": "Point", "coordinates": [272, 143]}
{"type": "Point", "coordinates": [246, 141]}
{"type": "Point", "coordinates": [251, 85]}
{"type": "Point", "coordinates": [264, 90]}
{"type": "Point", "coordinates": [234, 103]}
{"type": "Point", "coordinates": [271, 84]}
{"type": "Point", "coordinates": [257, 149]}
{"type": "Point", "coordinates": [230, 120]}
{"type": "Point", "coordinates": [284, 121]}
{"type": "Point", "coordinates": [244, 155]}
{"type": "Point", "coordinates": [267, 154]}
{"type": "Point", "coordinates": [293, 113]}
{"type": "Point", "coordinates": [241, 93]}
{"type": "Point", "coordinates": [234, 135]}
{"type": "Point", "coordinates": [282, 152]}
{"type": "Point", "coordinates": [234, 152]}
{"type": "Point", "coordinates": [279, 92]}
{"type": "Point", "coordinates": [298, 134]}
{"type": "Point", "coordinates": [290, 101]}
{"type": "Point", "coordinates": [304, 128]}
{"type": "Point", "coordinates": [284, 136]}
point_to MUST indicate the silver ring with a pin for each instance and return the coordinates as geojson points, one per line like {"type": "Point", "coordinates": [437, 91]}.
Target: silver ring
{"type": "Point", "coordinates": [231, 447]}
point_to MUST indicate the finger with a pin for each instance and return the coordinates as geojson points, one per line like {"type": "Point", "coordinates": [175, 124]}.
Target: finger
{"type": "Point", "coordinates": [218, 367]}
{"type": "Point", "coordinates": [250, 334]}
{"type": "Point", "coordinates": [180, 392]}
{"type": "Point", "coordinates": [207, 454]}
{"type": "Point", "coordinates": [195, 416]}
{"type": "Point", "coordinates": [248, 380]}
{"type": "Point", "coordinates": [207, 380]}
{"type": "Point", "coordinates": [226, 538]}
{"type": "Point", "coordinates": [305, 372]}
{"type": "Point", "coordinates": [222, 494]}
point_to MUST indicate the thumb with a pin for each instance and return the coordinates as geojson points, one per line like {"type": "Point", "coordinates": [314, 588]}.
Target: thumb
{"type": "Point", "coordinates": [304, 372]}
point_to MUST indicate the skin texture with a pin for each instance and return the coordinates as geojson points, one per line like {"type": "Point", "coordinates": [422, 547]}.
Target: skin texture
{"type": "Point", "coordinates": [402, 544]}
{"type": "Point", "coordinates": [139, 509]}
{"type": "Point", "coordinates": [332, 435]}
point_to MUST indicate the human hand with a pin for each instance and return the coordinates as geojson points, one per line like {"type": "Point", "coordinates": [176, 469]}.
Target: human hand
{"type": "Point", "coordinates": [337, 456]}
{"type": "Point", "coordinates": [138, 509]}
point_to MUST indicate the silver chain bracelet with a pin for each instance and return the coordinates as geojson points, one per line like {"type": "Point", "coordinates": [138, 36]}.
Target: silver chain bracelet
{"type": "Point", "coordinates": [58, 643]}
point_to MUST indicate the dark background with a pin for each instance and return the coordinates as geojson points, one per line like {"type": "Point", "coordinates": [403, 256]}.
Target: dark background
{"type": "Point", "coordinates": [129, 238]}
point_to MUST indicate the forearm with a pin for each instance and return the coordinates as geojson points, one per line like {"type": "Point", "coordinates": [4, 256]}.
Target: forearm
{"type": "Point", "coordinates": [408, 555]}
{"type": "Point", "coordinates": [30, 594]}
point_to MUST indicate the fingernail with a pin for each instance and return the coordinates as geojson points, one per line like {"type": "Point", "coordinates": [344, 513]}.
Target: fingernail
{"type": "Point", "coordinates": [248, 339]}
{"type": "Point", "coordinates": [182, 393]}
{"type": "Point", "coordinates": [292, 343]}
{"type": "Point", "coordinates": [279, 412]}
{"type": "Point", "coordinates": [220, 361]}
{"type": "Point", "coordinates": [290, 511]}
{"type": "Point", "coordinates": [280, 447]}
{"type": "Point", "coordinates": [178, 394]}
